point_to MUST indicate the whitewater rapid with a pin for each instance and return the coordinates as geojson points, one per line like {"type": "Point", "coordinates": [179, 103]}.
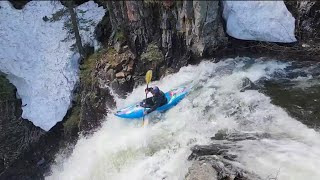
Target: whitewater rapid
{"type": "Point", "coordinates": [122, 150]}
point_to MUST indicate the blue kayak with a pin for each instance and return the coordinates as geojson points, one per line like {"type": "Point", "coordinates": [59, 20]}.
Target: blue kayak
{"type": "Point", "coordinates": [173, 96]}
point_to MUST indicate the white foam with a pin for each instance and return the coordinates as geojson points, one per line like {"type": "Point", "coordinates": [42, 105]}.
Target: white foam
{"type": "Point", "coordinates": [122, 150]}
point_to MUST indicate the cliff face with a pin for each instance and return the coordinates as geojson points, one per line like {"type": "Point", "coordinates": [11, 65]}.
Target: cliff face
{"type": "Point", "coordinates": [162, 35]}
{"type": "Point", "coordinates": [307, 20]}
{"type": "Point", "coordinates": [17, 134]}
{"type": "Point", "coordinates": [194, 26]}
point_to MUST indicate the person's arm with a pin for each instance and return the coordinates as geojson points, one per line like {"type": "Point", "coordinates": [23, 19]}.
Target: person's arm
{"type": "Point", "coordinates": [147, 90]}
{"type": "Point", "coordinates": [154, 107]}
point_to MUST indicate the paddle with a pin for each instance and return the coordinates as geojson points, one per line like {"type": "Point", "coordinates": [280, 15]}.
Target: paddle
{"type": "Point", "coordinates": [148, 80]}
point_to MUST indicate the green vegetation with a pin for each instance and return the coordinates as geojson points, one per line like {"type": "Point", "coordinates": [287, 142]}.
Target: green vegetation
{"type": "Point", "coordinates": [119, 36]}
{"type": "Point", "coordinates": [57, 16]}
{"type": "Point", "coordinates": [87, 81]}
{"type": "Point", "coordinates": [82, 24]}
{"type": "Point", "coordinates": [7, 90]}
{"type": "Point", "coordinates": [72, 123]}
{"type": "Point", "coordinates": [87, 69]}
{"type": "Point", "coordinates": [153, 53]}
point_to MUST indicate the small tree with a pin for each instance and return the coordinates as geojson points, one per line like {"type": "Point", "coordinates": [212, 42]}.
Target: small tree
{"type": "Point", "coordinates": [72, 23]}
{"type": "Point", "coordinates": [70, 6]}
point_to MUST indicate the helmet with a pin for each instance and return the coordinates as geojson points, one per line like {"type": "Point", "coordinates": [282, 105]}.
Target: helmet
{"type": "Point", "coordinates": [155, 90]}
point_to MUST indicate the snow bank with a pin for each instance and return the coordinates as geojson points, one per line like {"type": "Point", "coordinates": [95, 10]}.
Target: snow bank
{"type": "Point", "coordinates": [259, 20]}
{"type": "Point", "coordinates": [37, 61]}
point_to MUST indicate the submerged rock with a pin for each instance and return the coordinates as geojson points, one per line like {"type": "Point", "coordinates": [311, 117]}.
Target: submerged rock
{"type": "Point", "coordinates": [201, 171]}
{"type": "Point", "coordinates": [216, 159]}
{"type": "Point", "coordinates": [247, 84]}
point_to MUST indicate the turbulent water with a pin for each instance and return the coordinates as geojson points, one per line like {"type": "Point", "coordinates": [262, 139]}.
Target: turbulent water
{"type": "Point", "coordinates": [122, 150]}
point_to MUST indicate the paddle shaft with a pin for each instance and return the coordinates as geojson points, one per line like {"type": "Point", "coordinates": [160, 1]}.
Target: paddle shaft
{"type": "Point", "coordinates": [148, 79]}
{"type": "Point", "coordinates": [145, 104]}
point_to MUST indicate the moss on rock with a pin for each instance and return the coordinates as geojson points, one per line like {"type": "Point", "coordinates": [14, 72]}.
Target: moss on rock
{"type": "Point", "coordinates": [153, 54]}
{"type": "Point", "coordinates": [7, 90]}
{"type": "Point", "coordinates": [87, 69]}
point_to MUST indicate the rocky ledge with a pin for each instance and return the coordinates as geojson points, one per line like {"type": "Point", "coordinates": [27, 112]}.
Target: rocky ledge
{"type": "Point", "coordinates": [216, 161]}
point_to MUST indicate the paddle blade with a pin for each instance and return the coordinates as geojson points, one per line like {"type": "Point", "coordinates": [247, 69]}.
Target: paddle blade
{"type": "Point", "coordinates": [148, 76]}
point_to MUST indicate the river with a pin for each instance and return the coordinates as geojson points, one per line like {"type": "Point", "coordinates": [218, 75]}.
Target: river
{"type": "Point", "coordinates": [125, 150]}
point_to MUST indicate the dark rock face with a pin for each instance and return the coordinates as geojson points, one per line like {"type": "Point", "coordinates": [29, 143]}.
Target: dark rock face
{"type": "Point", "coordinates": [115, 69]}
{"type": "Point", "coordinates": [94, 109]}
{"type": "Point", "coordinates": [218, 157]}
{"type": "Point", "coordinates": [307, 17]}
{"type": "Point", "coordinates": [17, 134]}
{"type": "Point", "coordinates": [19, 4]}
{"type": "Point", "coordinates": [182, 31]}
{"type": "Point", "coordinates": [35, 161]}
{"type": "Point", "coordinates": [248, 85]}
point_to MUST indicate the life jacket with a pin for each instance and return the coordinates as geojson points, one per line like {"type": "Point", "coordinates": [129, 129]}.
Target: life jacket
{"type": "Point", "coordinates": [160, 98]}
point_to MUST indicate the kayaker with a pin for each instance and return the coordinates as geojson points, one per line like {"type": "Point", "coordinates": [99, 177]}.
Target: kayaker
{"type": "Point", "coordinates": [158, 99]}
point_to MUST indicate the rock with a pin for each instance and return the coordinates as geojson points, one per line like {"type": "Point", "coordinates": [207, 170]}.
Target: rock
{"type": "Point", "coordinates": [138, 80]}
{"type": "Point", "coordinates": [272, 21]}
{"type": "Point", "coordinates": [17, 134]}
{"type": "Point", "coordinates": [103, 29]}
{"type": "Point", "coordinates": [247, 84]}
{"type": "Point", "coordinates": [307, 20]}
{"type": "Point", "coordinates": [130, 66]}
{"type": "Point", "coordinates": [218, 155]}
{"type": "Point", "coordinates": [19, 4]}
{"type": "Point", "coordinates": [168, 3]}
{"type": "Point", "coordinates": [207, 29]}
{"type": "Point", "coordinates": [220, 135]}
{"type": "Point", "coordinates": [152, 59]}
{"type": "Point", "coordinates": [120, 75]}
{"type": "Point", "coordinates": [201, 171]}
{"type": "Point", "coordinates": [204, 150]}
{"type": "Point", "coordinates": [115, 60]}
{"type": "Point", "coordinates": [110, 75]}
{"type": "Point", "coordinates": [95, 104]}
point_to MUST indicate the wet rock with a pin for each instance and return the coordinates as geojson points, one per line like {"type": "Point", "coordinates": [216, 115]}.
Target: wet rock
{"type": "Point", "coordinates": [17, 134]}
{"type": "Point", "coordinates": [94, 107]}
{"type": "Point", "coordinates": [120, 75]}
{"type": "Point", "coordinates": [103, 29]}
{"type": "Point", "coordinates": [110, 76]}
{"type": "Point", "coordinates": [307, 20]}
{"type": "Point", "coordinates": [138, 80]}
{"type": "Point", "coordinates": [201, 171]}
{"type": "Point", "coordinates": [223, 135]}
{"type": "Point", "coordinates": [220, 135]}
{"type": "Point", "coordinates": [247, 84]}
{"type": "Point", "coordinates": [19, 4]}
{"type": "Point", "coordinates": [213, 149]}
{"type": "Point", "coordinates": [219, 156]}
{"type": "Point", "coordinates": [119, 67]}
{"type": "Point", "coordinates": [151, 59]}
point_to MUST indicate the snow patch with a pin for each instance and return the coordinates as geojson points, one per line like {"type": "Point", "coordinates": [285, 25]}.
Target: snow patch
{"type": "Point", "coordinates": [37, 61]}
{"type": "Point", "coordinates": [259, 20]}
